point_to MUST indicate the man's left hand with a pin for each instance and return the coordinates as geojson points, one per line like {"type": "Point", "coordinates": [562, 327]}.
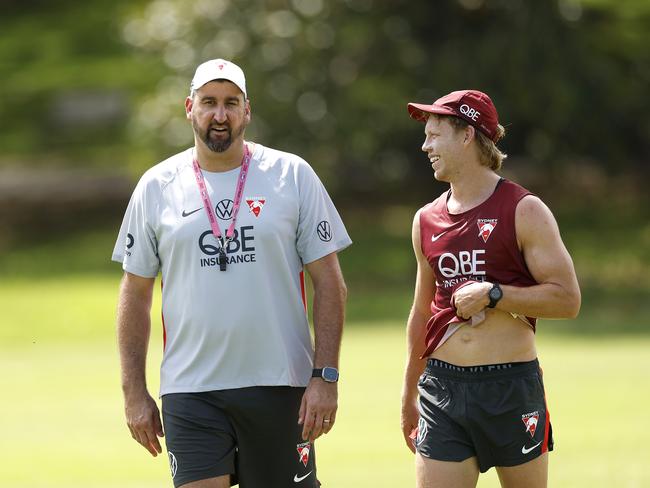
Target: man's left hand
{"type": "Point", "coordinates": [318, 409]}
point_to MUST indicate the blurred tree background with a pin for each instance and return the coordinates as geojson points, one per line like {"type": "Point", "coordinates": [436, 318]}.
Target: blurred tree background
{"type": "Point", "coordinates": [93, 95]}
{"type": "Point", "coordinates": [100, 84]}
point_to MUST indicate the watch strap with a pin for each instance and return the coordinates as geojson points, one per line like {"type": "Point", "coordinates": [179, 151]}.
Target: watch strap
{"type": "Point", "coordinates": [491, 295]}
{"type": "Point", "coordinates": [331, 376]}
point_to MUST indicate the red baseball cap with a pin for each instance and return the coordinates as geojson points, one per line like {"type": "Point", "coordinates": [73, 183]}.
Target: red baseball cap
{"type": "Point", "coordinates": [473, 106]}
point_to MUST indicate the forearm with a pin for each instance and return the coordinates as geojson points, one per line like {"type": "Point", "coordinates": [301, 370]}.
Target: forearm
{"type": "Point", "coordinates": [546, 300]}
{"type": "Point", "coordinates": [328, 317]}
{"type": "Point", "coordinates": [133, 329]}
{"type": "Point", "coordinates": [415, 336]}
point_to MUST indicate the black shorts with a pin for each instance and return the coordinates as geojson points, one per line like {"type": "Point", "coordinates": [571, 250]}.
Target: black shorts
{"type": "Point", "coordinates": [250, 433]}
{"type": "Point", "coordinates": [496, 413]}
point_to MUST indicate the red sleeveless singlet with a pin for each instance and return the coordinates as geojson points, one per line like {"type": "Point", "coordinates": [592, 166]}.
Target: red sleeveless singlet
{"type": "Point", "coordinates": [477, 245]}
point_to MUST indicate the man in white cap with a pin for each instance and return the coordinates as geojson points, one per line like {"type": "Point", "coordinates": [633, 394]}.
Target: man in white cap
{"type": "Point", "coordinates": [231, 225]}
{"type": "Point", "coordinates": [490, 261]}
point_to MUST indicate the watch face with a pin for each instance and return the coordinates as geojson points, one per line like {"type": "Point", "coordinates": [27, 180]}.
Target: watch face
{"type": "Point", "coordinates": [330, 374]}
{"type": "Point", "coordinates": [495, 295]}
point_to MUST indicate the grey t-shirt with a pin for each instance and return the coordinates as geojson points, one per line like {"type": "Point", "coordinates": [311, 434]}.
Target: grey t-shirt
{"type": "Point", "coordinates": [246, 326]}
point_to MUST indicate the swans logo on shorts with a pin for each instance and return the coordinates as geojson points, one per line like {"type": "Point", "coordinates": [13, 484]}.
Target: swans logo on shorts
{"type": "Point", "coordinates": [530, 421]}
{"type": "Point", "coordinates": [173, 464]}
{"type": "Point", "coordinates": [422, 431]}
{"type": "Point", "coordinates": [485, 228]}
{"type": "Point", "coordinates": [303, 452]}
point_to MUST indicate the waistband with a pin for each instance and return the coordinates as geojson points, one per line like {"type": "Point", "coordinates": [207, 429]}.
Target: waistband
{"type": "Point", "coordinates": [436, 367]}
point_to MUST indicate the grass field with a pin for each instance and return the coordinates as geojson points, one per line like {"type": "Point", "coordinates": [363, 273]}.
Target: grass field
{"type": "Point", "coordinates": [61, 416]}
{"type": "Point", "coordinates": [61, 421]}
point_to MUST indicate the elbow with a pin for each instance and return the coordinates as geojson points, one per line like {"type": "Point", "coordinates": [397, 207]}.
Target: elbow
{"type": "Point", "coordinates": [573, 312]}
{"type": "Point", "coordinates": [574, 301]}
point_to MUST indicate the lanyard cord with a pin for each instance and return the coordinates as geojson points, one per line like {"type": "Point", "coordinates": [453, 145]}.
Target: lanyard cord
{"type": "Point", "coordinates": [207, 203]}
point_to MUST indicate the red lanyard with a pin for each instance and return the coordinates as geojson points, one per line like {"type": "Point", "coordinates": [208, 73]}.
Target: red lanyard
{"type": "Point", "coordinates": [207, 204]}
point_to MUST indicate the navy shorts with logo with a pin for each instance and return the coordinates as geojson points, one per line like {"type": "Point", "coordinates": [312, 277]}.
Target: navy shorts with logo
{"type": "Point", "coordinates": [250, 433]}
{"type": "Point", "coordinates": [496, 413]}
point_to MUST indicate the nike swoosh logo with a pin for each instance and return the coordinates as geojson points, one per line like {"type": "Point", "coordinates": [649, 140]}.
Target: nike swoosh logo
{"type": "Point", "coordinates": [525, 450]}
{"type": "Point", "coordinates": [434, 237]}
{"type": "Point", "coordinates": [187, 214]}
{"type": "Point", "coordinates": [297, 479]}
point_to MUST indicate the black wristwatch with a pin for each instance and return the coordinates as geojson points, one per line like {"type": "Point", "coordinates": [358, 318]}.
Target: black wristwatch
{"type": "Point", "coordinates": [329, 374]}
{"type": "Point", "coordinates": [495, 294]}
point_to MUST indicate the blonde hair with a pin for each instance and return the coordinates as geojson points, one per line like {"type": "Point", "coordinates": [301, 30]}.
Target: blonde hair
{"type": "Point", "coordinates": [489, 154]}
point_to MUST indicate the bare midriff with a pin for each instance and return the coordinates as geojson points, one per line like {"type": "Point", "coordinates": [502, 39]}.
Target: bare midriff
{"type": "Point", "coordinates": [500, 338]}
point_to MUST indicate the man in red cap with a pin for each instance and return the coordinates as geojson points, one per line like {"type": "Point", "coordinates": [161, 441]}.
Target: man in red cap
{"type": "Point", "coordinates": [490, 261]}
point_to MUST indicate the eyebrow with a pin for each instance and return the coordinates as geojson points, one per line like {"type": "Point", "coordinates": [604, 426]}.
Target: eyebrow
{"type": "Point", "coordinates": [211, 98]}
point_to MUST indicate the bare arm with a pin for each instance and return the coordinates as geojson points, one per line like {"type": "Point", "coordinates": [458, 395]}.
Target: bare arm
{"type": "Point", "coordinates": [133, 328]}
{"type": "Point", "coordinates": [415, 333]}
{"type": "Point", "coordinates": [320, 400]}
{"type": "Point", "coordinates": [557, 294]}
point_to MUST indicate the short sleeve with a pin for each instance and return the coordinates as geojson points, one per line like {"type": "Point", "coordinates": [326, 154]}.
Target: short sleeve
{"type": "Point", "coordinates": [136, 246]}
{"type": "Point", "coordinates": [320, 228]}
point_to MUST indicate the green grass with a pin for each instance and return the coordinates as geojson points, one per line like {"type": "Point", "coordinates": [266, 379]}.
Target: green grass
{"type": "Point", "coordinates": [611, 255]}
{"type": "Point", "coordinates": [62, 422]}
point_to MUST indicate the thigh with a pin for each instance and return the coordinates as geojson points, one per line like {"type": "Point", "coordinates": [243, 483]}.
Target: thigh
{"type": "Point", "coordinates": [533, 474]}
{"type": "Point", "coordinates": [510, 422]}
{"type": "Point", "coordinates": [199, 437]}
{"type": "Point", "coordinates": [271, 451]}
{"type": "Point", "coordinates": [441, 433]}
{"type": "Point", "coordinates": [431, 473]}
{"type": "Point", "coordinates": [219, 482]}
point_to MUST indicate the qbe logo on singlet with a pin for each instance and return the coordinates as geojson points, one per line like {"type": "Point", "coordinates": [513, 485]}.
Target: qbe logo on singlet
{"type": "Point", "coordinates": [462, 266]}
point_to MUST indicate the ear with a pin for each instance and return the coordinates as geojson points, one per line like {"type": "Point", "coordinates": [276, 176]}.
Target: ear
{"type": "Point", "coordinates": [189, 103]}
{"type": "Point", "coordinates": [469, 135]}
{"type": "Point", "coordinates": [247, 110]}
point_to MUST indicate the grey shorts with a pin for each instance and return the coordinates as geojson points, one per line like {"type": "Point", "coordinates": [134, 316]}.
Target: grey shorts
{"type": "Point", "coordinates": [251, 434]}
{"type": "Point", "coordinates": [496, 413]}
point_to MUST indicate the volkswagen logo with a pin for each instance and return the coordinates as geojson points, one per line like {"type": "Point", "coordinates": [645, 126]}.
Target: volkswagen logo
{"type": "Point", "coordinates": [224, 209]}
{"type": "Point", "coordinates": [324, 231]}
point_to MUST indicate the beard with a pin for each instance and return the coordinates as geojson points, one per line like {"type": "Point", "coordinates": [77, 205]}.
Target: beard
{"type": "Point", "coordinates": [217, 145]}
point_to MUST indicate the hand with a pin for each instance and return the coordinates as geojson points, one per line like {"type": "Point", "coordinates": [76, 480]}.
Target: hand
{"type": "Point", "coordinates": [410, 417]}
{"type": "Point", "coordinates": [471, 299]}
{"type": "Point", "coordinates": [143, 419]}
{"type": "Point", "coordinates": [318, 409]}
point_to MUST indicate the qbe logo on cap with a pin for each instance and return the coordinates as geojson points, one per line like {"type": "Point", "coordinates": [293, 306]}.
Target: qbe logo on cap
{"type": "Point", "coordinates": [469, 112]}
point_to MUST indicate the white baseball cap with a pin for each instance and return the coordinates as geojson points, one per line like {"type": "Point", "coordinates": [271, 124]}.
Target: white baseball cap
{"type": "Point", "coordinates": [219, 69]}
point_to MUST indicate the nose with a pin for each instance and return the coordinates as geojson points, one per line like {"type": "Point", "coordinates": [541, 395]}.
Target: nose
{"type": "Point", "coordinates": [219, 114]}
{"type": "Point", "coordinates": [425, 145]}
